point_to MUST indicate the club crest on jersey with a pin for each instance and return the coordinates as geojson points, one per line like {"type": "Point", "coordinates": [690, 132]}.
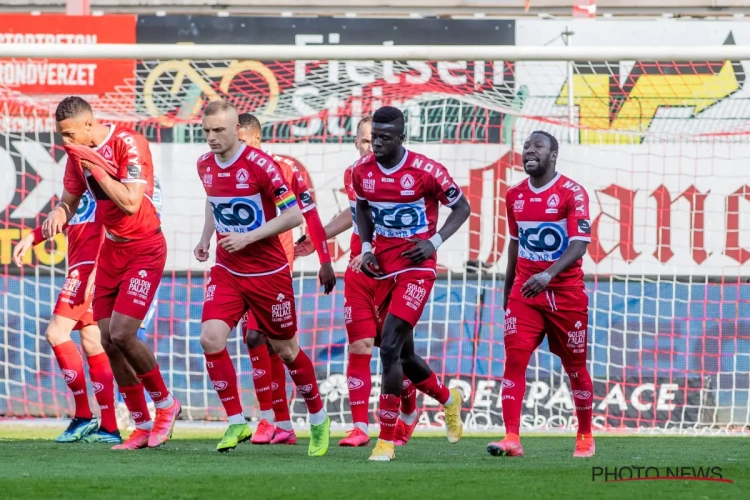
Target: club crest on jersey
{"type": "Point", "coordinates": [553, 201]}
{"type": "Point", "coordinates": [106, 152]}
{"type": "Point", "coordinates": [242, 178]}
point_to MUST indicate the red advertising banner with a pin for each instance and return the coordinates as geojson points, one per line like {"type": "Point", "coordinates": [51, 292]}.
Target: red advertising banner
{"type": "Point", "coordinates": [87, 77]}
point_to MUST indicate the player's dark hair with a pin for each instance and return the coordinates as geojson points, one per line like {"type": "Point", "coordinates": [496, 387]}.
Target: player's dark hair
{"type": "Point", "coordinates": [553, 145]}
{"type": "Point", "coordinates": [387, 114]}
{"type": "Point", "coordinates": [249, 120]}
{"type": "Point", "coordinates": [71, 107]}
{"type": "Point", "coordinates": [216, 107]}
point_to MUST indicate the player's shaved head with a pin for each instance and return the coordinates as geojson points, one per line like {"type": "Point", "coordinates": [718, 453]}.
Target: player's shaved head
{"type": "Point", "coordinates": [250, 129]}
{"type": "Point", "coordinates": [217, 107]}
{"type": "Point", "coordinates": [388, 135]}
{"type": "Point", "coordinates": [363, 141]}
{"type": "Point", "coordinates": [221, 127]}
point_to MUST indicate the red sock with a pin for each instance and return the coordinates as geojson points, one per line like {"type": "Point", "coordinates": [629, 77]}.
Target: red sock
{"type": "Point", "coordinates": [262, 378]}
{"type": "Point", "coordinates": [71, 364]}
{"type": "Point", "coordinates": [224, 377]}
{"type": "Point", "coordinates": [408, 397]}
{"type": "Point", "coordinates": [388, 414]}
{"type": "Point", "coordinates": [359, 381]}
{"type": "Point", "coordinates": [434, 388]}
{"type": "Point", "coordinates": [303, 374]}
{"type": "Point", "coordinates": [154, 384]}
{"type": "Point", "coordinates": [278, 390]}
{"type": "Point", "coordinates": [104, 389]}
{"type": "Point", "coordinates": [135, 400]}
{"type": "Point", "coordinates": [514, 387]}
{"type": "Point", "coordinates": [583, 397]}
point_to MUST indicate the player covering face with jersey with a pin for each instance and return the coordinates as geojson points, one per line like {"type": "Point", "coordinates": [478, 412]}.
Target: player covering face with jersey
{"type": "Point", "coordinates": [550, 229]}
{"type": "Point", "coordinates": [398, 196]}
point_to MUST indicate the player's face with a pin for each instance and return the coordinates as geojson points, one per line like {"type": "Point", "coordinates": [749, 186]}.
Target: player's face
{"type": "Point", "coordinates": [250, 136]}
{"type": "Point", "coordinates": [363, 142]}
{"type": "Point", "coordinates": [76, 131]}
{"type": "Point", "coordinates": [386, 140]}
{"type": "Point", "coordinates": [221, 132]}
{"type": "Point", "coordinates": [538, 157]}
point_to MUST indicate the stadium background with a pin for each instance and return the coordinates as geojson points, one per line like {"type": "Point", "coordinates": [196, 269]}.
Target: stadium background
{"type": "Point", "coordinates": [670, 304]}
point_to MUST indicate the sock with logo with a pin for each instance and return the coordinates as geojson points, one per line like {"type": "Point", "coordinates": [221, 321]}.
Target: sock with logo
{"type": "Point", "coordinates": [153, 381]}
{"type": "Point", "coordinates": [434, 388]}
{"type": "Point", "coordinates": [262, 380]}
{"type": "Point", "coordinates": [135, 400]}
{"type": "Point", "coordinates": [302, 372]}
{"type": "Point", "coordinates": [104, 389]}
{"type": "Point", "coordinates": [278, 391]}
{"type": "Point", "coordinates": [359, 382]}
{"type": "Point", "coordinates": [388, 414]}
{"type": "Point", "coordinates": [514, 387]}
{"type": "Point", "coordinates": [582, 390]}
{"type": "Point", "coordinates": [71, 364]}
{"type": "Point", "coordinates": [224, 377]}
{"type": "Point", "coordinates": [408, 402]}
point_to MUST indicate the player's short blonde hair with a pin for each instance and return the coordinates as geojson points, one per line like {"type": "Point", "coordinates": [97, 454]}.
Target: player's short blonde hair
{"type": "Point", "coordinates": [216, 107]}
{"type": "Point", "coordinates": [363, 120]}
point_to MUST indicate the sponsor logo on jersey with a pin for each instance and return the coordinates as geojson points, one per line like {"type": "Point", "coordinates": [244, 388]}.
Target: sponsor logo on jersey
{"type": "Point", "coordinates": [518, 206]}
{"type": "Point", "coordinates": [86, 211]}
{"type": "Point", "coordinates": [134, 172]}
{"type": "Point", "coordinates": [388, 180]}
{"type": "Point", "coordinates": [452, 193]}
{"type": "Point", "coordinates": [542, 241]}
{"type": "Point", "coordinates": [237, 214]}
{"type": "Point", "coordinates": [368, 184]}
{"type": "Point", "coordinates": [242, 177]}
{"type": "Point", "coordinates": [399, 220]}
{"type": "Point", "coordinates": [208, 180]}
{"type": "Point", "coordinates": [584, 226]}
{"type": "Point", "coordinates": [535, 200]}
{"type": "Point", "coordinates": [305, 199]}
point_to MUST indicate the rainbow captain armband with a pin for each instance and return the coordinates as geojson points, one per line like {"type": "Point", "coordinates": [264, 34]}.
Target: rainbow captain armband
{"type": "Point", "coordinates": [284, 198]}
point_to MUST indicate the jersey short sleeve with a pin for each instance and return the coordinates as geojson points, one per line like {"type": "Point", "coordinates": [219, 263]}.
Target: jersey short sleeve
{"type": "Point", "coordinates": [131, 158]}
{"type": "Point", "coordinates": [512, 223]}
{"type": "Point", "coordinates": [357, 184]}
{"type": "Point", "coordinates": [301, 191]}
{"type": "Point", "coordinates": [578, 218]}
{"type": "Point", "coordinates": [445, 188]}
{"type": "Point", "coordinates": [73, 181]}
{"type": "Point", "coordinates": [274, 186]}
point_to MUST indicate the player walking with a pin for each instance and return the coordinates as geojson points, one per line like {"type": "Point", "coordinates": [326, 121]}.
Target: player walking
{"type": "Point", "coordinates": [244, 189]}
{"type": "Point", "coordinates": [269, 375]}
{"type": "Point", "coordinates": [362, 323]}
{"type": "Point", "coordinates": [550, 228]}
{"type": "Point", "coordinates": [73, 312]}
{"type": "Point", "coordinates": [398, 196]}
{"type": "Point", "coordinates": [131, 260]}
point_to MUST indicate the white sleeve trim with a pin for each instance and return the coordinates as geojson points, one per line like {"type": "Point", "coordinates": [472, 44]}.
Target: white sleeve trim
{"type": "Point", "coordinates": [580, 238]}
{"type": "Point", "coordinates": [460, 195]}
{"type": "Point", "coordinates": [308, 208]}
{"type": "Point", "coordinates": [133, 181]}
{"type": "Point", "coordinates": [513, 237]}
{"type": "Point", "coordinates": [359, 197]}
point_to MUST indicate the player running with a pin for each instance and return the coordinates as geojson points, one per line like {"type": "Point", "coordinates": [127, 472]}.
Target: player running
{"type": "Point", "coordinates": [244, 189]}
{"type": "Point", "coordinates": [73, 312]}
{"type": "Point", "coordinates": [131, 260]}
{"type": "Point", "coordinates": [269, 376]}
{"type": "Point", "coordinates": [362, 323]}
{"type": "Point", "coordinates": [398, 196]}
{"type": "Point", "coordinates": [550, 228]}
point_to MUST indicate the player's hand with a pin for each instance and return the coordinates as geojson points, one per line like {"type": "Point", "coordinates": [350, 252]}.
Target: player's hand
{"type": "Point", "coordinates": [87, 165]}
{"type": "Point", "coordinates": [535, 285]}
{"type": "Point", "coordinates": [90, 283]}
{"type": "Point", "coordinates": [303, 247]}
{"type": "Point", "coordinates": [201, 250]}
{"type": "Point", "coordinates": [420, 252]}
{"type": "Point", "coordinates": [54, 223]}
{"type": "Point", "coordinates": [370, 265]}
{"type": "Point", "coordinates": [356, 264]}
{"type": "Point", "coordinates": [327, 277]}
{"type": "Point", "coordinates": [21, 248]}
{"type": "Point", "coordinates": [234, 242]}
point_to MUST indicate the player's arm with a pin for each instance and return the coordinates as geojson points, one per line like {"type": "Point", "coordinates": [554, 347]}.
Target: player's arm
{"type": "Point", "coordinates": [126, 195]}
{"type": "Point", "coordinates": [209, 227]}
{"type": "Point", "coordinates": [59, 217]}
{"type": "Point", "coordinates": [290, 218]}
{"type": "Point", "coordinates": [326, 275]}
{"type": "Point", "coordinates": [340, 223]}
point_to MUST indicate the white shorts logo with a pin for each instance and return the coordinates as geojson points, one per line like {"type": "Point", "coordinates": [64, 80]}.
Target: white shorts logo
{"type": "Point", "coordinates": [581, 394]}
{"type": "Point", "coordinates": [258, 373]}
{"type": "Point", "coordinates": [354, 383]}
{"type": "Point", "coordinates": [98, 387]}
{"type": "Point", "coordinates": [220, 385]}
{"type": "Point", "coordinates": [70, 375]}
{"type": "Point", "coordinates": [508, 383]}
{"type": "Point", "coordinates": [388, 415]}
{"type": "Point", "coordinates": [305, 389]}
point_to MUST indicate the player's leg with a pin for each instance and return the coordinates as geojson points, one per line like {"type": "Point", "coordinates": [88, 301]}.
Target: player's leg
{"type": "Point", "coordinates": [262, 380]}
{"type": "Point", "coordinates": [284, 432]}
{"type": "Point", "coordinates": [273, 305]}
{"type": "Point", "coordinates": [223, 306]}
{"type": "Point", "coordinates": [524, 331]}
{"type": "Point", "coordinates": [71, 364]}
{"type": "Point", "coordinates": [567, 329]}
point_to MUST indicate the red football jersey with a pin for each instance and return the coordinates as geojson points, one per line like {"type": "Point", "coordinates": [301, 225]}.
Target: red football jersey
{"type": "Point", "coordinates": [545, 221]}
{"type": "Point", "coordinates": [355, 247]}
{"type": "Point", "coordinates": [404, 201]}
{"type": "Point", "coordinates": [245, 193]}
{"type": "Point", "coordinates": [128, 152]}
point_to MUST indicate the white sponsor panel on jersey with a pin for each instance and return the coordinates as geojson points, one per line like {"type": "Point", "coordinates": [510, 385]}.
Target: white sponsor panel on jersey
{"type": "Point", "coordinates": [399, 219]}
{"type": "Point", "coordinates": [239, 214]}
{"type": "Point", "coordinates": [542, 241]}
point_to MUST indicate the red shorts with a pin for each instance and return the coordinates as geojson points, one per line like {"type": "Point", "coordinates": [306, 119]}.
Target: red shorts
{"type": "Point", "coordinates": [268, 301]}
{"type": "Point", "coordinates": [365, 300]}
{"type": "Point", "coordinates": [561, 314]}
{"type": "Point", "coordinates": [72, 303]}
{"type": "Point", "coordinates": [408, 294]}
{"type": "Point", "coordinates": [128, 276]}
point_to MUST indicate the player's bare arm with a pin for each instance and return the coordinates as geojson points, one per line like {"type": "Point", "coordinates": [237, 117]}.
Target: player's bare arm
{"type": "Point", "coordinates": [537, 283]}
{"type": "Point", "coordinates": [289, 219]}
{"type": "Point", "coordinates": [423, 249]}
{"type": "Point", "coordinates": [510, 270]}
{"type": "Point", "coordinates": [201, 251]}
{"type": "Point", "coordinates": [366, 226]}
{"type": "Point", "coordinates": [127, 197]}
{"type": "Point", "coordinates": [61, 214]}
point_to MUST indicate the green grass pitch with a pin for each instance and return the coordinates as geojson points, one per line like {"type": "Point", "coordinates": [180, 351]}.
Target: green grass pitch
{"type": "Point", "coordinates": [32, 466]}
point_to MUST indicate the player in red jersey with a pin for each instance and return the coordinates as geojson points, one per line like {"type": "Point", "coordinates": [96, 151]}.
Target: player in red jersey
{"type": "Point", "coordinates": [73, 312]}
{"type": "Point", "coordinates": [360, 316]}
{"type": "Point", "coordinates": [269, 376]}
{"type": "Point", "coordinates": [398, 196]}
{"type": "Point", "coordinates": [550, 228]}
{"type": "Point", "coordinates": [245, 189]}
{"type": "Point", "coordinates": [131, 260]}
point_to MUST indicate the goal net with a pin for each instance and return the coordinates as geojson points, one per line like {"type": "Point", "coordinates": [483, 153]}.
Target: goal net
{"type": "Point", "coordinates": [661, 147]}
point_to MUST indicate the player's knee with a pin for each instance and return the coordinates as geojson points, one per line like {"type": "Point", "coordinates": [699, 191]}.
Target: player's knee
{"type": "Point", "coordinates": [212, 341]}
{"type": "Point", "coordinates": [121, 337]}
{"type": "Point", "coordinates": [57, 331]}
{"type": "Point", "coordinates": [389, 354]}
{"type": "Point", "coordinates": [516, 361]}
{"type": "Point", "coordinates": [254, 339]}
{"type": "Point", "coordinates": [362, 346]}
{"type": "Point", "coordinates": [287, 350]}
